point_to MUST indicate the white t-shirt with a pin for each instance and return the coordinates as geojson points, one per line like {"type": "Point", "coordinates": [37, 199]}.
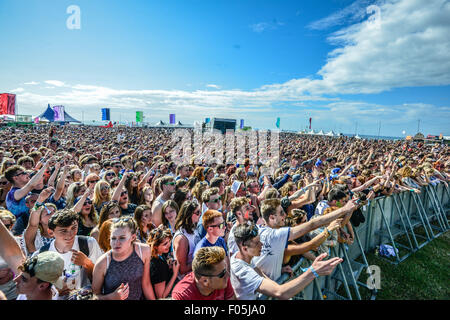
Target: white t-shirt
{"type": "Point", "coordinates": [78, 275]}
{"type": "Point", "coordinates": [231, 242]}
{"type": "Point", "coordinates": [321, 206]}
{"type": "Point", "coordinates": [274, 242]}
{"type": "Point", "coordinates": [244, 279]}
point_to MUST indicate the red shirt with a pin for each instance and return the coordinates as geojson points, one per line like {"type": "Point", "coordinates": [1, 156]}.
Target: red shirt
{"type": "Point", "coordinates": [187, 290]}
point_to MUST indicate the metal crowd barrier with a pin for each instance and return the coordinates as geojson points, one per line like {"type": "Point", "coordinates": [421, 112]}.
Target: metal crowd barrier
{"type": "Point", "coordinates": [407, 221]}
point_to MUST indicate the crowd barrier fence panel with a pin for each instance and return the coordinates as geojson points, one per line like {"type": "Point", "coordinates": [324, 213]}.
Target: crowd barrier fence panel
{"type": "Point", "coordinates": [404, 213]}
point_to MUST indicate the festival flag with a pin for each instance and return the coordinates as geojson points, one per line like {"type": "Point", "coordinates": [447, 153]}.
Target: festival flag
{"type": "Point", "coordinates": [242, 124]}
{"type": "Point", "coordinates": [7, 103]}
{"type": "Point", "coordinates": [36, 120]}
{"type": "Point", "coordinates": [310, 122]}
{"type": "Point", "coordinates": [139, 116]}
{"type": "Point", "coordinates": [58, 113]}
{"type": "Point", "coordinates": [172, 118]}
{"type": "Point", "coordinates": [207, 120]}
{"type": "Point", "coordinates": [106, 114]}
{"type": "Point", "coordinates": [278, 123]}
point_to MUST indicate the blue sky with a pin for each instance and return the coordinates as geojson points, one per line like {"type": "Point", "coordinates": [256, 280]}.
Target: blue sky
{"type": "Point", "coordinates": [335, 61]}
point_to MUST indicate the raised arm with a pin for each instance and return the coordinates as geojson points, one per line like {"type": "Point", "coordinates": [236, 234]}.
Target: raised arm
{"type": "Point", "coordinates": [304, 228]}
{"type": "Point", "coordinates": [119, 188]}
{"type": "Point", "coordinates": [60, 184]}
{"type": "Point", "coordinates": [19, 194]}
{"type": "Point", "coordinates": [289, 289]}
{"type": "Point", "coordinates": [10, 250]}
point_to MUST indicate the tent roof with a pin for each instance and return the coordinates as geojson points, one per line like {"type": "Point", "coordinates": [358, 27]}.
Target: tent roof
{"type": "Point", "coordinates": [49, 115]}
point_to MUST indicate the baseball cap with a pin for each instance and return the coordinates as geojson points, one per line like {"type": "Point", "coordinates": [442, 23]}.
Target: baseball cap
{"type": "Point", "coordinates": [49, 267]}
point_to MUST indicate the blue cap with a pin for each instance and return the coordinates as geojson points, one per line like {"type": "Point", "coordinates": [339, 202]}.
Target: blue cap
{"type": "Point", "coordinates": [335, 170]}
{"type": "Point", "coordinates": [318, 162]}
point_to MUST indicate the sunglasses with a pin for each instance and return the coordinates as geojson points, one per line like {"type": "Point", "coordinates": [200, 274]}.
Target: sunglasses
{"type": "Point", "coordinates": [93, 181]}
{"type": "Point", "coordinates": [87, 202]}
{"type": "Point", "coordinates": [123, 193]}
{"type": "Point", "coordinates": [215, 200]}
{"type": "Point", "coordinates": [196, 212]}
{"type": "Point", "coordinates": [220, 225]}
{"type": "Point", "coordinates": [126, 219]}
{"type": "Point", "coordinates": [3, 183]}
{"type": "Point", "coordinates": [104, 188]}
{"type": "Point", "coordinates": [20, 174]}
{"type": "Point", "coordinates": [220, 275]}
{"type": "Point", "coordinates": [170, 183]}
{"type": "Point", "coordinates": [8, 226]}
{"type": "Point", "coordinates": [110, 174]}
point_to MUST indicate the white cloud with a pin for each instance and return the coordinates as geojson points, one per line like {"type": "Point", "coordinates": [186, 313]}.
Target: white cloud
{"type": "Point", "coordinates": [55, 83]}
{"type": "Point", "coordinates": [407, 46]}
{"type": "Point", "coordinates": [18, 90]}
{"type": "Point", "coordinates": [32, 83]}
{"type": "Point", "coordinates": [411, 47]}
{"type": "Point", "coordinates": [262, 26]}
{"type": "Point", "coordinates": [352, 13]}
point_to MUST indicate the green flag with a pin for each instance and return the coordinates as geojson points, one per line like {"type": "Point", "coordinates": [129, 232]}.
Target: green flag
{"type": "Point", "coordinates": [278, 123]}
{"type": "Point", "coordinates": [139, 116]}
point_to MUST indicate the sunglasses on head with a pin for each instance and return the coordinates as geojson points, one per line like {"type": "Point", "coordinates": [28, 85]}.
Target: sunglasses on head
{"type": "Point", "coordinates": [124, 219]}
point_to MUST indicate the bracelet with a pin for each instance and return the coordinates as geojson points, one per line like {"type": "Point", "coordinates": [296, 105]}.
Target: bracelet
{"type": "Point", "coordinates": [313, 272]}
{"type": "Point", "coordinates": [38, 204]}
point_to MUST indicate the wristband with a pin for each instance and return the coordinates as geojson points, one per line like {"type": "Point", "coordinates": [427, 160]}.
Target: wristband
{"type": "Point", "coordinates": [313, 272]}
{"type": "Point", "coordinates": [38, 204]}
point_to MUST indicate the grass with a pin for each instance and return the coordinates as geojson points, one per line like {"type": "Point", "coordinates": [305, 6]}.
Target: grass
{"type": "Point", "coordinates": [424, 275]}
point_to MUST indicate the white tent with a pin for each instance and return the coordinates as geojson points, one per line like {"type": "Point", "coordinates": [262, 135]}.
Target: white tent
{"type": "Point", "coordinates": [312, 132]}
{"type": "Point", "coordinates": [160, 123]}
{"type": "Point", "coordinates": [321, 133]}
{"type": "Point", "coordinates": [331, 134]}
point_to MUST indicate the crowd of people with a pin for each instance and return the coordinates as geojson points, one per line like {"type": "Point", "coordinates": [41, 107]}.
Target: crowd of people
{"type": "Point", "coordinates": [105, 213]}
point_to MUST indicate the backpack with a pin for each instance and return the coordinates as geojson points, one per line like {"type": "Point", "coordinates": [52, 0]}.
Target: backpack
{"type": "Point", "coordinates": [82, 243]}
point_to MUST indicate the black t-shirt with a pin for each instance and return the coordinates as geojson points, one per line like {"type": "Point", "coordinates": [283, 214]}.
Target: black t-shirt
{"type": "Point", "coordinates": [129, 211]}
{"type": "Point", "coordinates": [83, 230]}
{"type": "Point", "coordinates": [159, 271]}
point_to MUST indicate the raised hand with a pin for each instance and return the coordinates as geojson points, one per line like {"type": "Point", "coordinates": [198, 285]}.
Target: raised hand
{"type": "Point", "coordinates": [326, 267]}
